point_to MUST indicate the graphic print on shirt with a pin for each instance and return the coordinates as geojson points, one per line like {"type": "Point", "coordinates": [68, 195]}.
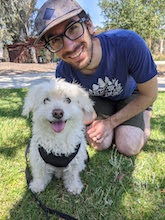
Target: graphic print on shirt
{"type": "Point", "coordinates": [106, 88]}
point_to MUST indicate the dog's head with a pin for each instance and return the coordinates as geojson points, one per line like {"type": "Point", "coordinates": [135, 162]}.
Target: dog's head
{"type": "Point", "coordinates": [57, 103]}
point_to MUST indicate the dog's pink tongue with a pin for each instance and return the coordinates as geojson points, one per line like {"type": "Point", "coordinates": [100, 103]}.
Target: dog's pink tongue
{"type": "Point", "coordinates": [58, 126]}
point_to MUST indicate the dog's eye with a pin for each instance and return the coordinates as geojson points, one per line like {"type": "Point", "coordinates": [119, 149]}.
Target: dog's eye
{"type": "Point", "coordinates": [68, 100]}
{"type": "Point", "coordinates": [46, 100]}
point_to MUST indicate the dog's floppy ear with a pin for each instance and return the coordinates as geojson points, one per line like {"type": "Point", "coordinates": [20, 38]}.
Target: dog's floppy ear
{"type": "Point", "coordinates": [30, 99]}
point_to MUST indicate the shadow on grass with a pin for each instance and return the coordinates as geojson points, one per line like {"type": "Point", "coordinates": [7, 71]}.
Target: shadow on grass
{"type": "Point", "coordinates": [9, 152]}
{"type": "Point", "coordinates": [7, 72]}
{"type": "Point", "coordinates": [158, 123]}
{"type": "Point", "coordinates": [109, 193]}
{"type": "Point", "coordinates": [100, 199]}
{"type": "Point", "coordinates": [157, 144]}
{"type": "Point", "coordinates": [11, 102]}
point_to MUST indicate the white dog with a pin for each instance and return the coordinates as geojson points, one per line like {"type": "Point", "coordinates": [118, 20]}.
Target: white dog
{"type": "Point", "coordinates": [58, 144]}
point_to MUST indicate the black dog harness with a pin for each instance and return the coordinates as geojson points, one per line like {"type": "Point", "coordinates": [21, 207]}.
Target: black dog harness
{"type": "Point", "coordinates": [57, 161]}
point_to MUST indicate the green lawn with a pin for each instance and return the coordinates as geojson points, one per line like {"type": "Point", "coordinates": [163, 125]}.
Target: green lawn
{"type": "Point", "coordinates": [115, 187]}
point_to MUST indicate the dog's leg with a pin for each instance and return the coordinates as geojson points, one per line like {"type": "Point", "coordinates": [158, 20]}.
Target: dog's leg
{"type": "Point", "coordinates": [40, 172]}
{"type": "Point", "coordinates": [72, 181]}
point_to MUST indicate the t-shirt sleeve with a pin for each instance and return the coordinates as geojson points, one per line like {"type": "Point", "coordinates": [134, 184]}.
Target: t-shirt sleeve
{"type": "Point", "coordinates": [140, 62]}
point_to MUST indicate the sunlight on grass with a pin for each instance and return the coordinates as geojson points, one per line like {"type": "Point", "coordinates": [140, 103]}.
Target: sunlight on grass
{"type": "Point", "coordinates": [145, 199]}
{"type": "Point", "coordinates": [145, 193]}
{"type": "Point", "coordinates": [149, 171]}
{"type": "Point", "coordinates": [141, 204]}
{"type": "Point", "coordinates": [11, 130]}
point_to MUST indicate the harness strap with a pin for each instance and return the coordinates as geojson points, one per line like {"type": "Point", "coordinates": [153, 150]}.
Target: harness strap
{"type": "Point", "coordinates": [44, 208]}
{"type": "Point", "coordinates": [57, 161]}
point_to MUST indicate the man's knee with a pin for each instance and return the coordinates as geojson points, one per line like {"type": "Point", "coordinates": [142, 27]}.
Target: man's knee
{"type": "Point", "coordinates": [100, 146]}
{"type": "Point", "coordinates": [147, 120]}
{"type": "Point", "coordinates": [128, 150]}
{"type": "Point", "coordinates": [129, 140]}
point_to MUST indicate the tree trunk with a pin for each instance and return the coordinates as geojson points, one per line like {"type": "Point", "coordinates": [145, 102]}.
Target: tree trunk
{"type": "Point", "coordinates": [161, 46]}
{"type": "Point", "coordinates": [32, 51]}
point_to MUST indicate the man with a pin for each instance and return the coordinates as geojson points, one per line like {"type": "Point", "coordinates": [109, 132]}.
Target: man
{"type": "Point", "coordinates": [116, 67]}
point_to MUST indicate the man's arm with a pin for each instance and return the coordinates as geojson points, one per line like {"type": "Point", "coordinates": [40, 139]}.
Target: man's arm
{"type": "Point", "coordinates": [147, 95]}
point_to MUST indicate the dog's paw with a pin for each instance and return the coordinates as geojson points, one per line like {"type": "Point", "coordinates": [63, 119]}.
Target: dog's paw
{"type": "Point", "coordinates": [36, 186]}
{"type": "Point", "coordinates": [75, 188]}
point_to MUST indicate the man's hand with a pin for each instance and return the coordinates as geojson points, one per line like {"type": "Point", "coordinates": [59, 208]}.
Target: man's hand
{"type": "Point", "coordinates": [99, 130]}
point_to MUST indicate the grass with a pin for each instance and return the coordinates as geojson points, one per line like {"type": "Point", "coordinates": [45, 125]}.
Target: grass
{"type": "Point", "coordinates": [115, 187]}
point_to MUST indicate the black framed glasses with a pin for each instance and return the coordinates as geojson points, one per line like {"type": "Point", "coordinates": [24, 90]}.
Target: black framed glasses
{"type": "Point", "coordinates": [73, 32]}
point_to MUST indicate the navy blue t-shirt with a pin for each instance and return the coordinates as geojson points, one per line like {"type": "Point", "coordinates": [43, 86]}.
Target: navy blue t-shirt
{"type": "Point", "coordinates": [126, 60]}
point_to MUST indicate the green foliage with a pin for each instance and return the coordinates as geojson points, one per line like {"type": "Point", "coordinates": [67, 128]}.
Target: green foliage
{"type": "Point", "coordinates": [16, 18]}
{"type": "Point", "coordinates": [143, 16]}
{"type": "Point", "coordinates": [115, 186]}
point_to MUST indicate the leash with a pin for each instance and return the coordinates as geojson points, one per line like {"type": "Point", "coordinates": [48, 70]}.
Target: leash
{"type": "Point", "coordinates": [41, 205]}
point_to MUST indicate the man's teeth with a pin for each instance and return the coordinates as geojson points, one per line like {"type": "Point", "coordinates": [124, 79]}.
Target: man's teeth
{"type": "Point", "coordinates": [77, 54]}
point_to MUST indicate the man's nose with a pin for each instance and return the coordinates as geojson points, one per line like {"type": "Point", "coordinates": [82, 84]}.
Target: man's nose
{"type": "Point", "coordinates": [68, 44]}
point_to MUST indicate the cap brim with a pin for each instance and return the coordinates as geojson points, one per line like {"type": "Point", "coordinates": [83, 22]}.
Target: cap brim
{"type": "Point", "coordinates": [55, 22]}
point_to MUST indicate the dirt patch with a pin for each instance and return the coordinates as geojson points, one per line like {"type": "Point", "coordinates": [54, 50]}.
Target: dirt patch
{"type": "Point", "coordinates": [161, 70]}
{"type": "Point", "coordinates": [19, 68]}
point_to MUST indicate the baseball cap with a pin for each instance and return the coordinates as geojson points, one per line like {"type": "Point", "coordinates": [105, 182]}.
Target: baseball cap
{"type": "Point", "coordinates": [54, 12]}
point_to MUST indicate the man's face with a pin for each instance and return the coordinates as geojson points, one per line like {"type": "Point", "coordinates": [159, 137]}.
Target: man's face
{"type": "Point", "coordinates": [77, 53]}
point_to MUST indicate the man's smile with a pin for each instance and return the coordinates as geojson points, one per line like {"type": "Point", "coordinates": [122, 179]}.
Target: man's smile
{"type": "Point", "coordinates": [77, 54]}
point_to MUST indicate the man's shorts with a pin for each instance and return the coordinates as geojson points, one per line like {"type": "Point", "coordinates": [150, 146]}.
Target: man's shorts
{"type": "Point", "coordinates": [105, 107]}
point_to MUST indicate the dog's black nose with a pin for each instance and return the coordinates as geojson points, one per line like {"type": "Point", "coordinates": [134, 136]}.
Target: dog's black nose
{"type": "Point", "coordinates": [58, 113]}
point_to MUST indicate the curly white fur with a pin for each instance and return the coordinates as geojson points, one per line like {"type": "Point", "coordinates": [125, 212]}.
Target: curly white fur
{"type": "Point", "coordinates": [58, 108]}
